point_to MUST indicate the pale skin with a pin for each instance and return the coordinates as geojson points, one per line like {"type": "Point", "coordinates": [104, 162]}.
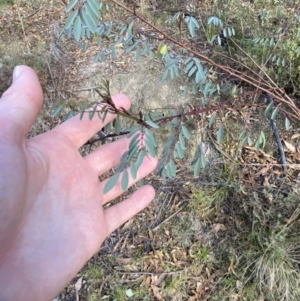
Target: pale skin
{"type": "Point", "coordinates": [51, 200]}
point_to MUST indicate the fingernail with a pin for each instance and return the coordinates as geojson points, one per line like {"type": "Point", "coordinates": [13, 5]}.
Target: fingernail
{"type": "Point", "coordinates": [17, 72]}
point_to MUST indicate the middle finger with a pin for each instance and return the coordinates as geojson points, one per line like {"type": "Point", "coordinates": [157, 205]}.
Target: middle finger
{"type": "Point", "coordinates": [107, 156]}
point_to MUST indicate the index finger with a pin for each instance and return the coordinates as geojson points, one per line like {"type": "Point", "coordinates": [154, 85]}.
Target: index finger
{"type": "Point", "coordinates": [81, 130]}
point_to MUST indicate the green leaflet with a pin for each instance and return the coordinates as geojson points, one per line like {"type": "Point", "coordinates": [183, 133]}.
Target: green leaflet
{"type": "Point", "coordinates": [133, 170]}
{"type": "Point", "coordinates": [125, 180]}
{"type": "Point", "coordinates": [71, 19]}
{"type": "Point", "coordinates": [185, 132]}
{"type": "Point", "coordinates": [71, 5]}
{"type": "Point", "coordinates": [197, 168]}
{"type": "Point", "coordinates": [150, 147]}
{"type": "Point", "coordinates": [111, 183]}
{"type": "Point", "coordinates": [220, 134]}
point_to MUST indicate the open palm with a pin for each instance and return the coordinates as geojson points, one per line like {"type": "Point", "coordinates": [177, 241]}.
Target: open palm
{"type": "Point", "coordinates": [51, 203]}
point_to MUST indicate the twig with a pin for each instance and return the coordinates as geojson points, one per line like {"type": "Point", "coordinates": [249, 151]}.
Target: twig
{"type": "Point", "coordinates": [23, 29]}
{"type": "Point", "coordinates": [32, 14]}
{"type": "Point", "coordinates": [160, 209]}
{"type": "Point", "coordinates": [276, 134]}
{"type": "Point", "coordinates": [83, 89]}
{"type": "Point", "coordinates": [102, 285]}
{"type": "Point", "coordinates": [168, 218]}
{"type": "Point", "coordinates": [148, 273]}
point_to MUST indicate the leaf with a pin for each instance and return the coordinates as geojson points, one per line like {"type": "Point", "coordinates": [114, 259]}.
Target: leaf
{"type": "Point", "coordinates": [123, 162]}
{"type": "Point", "coordinates": [92, 113]}
{"type": "Point", "coordinates": [187, 60]}
{"type": "Point", "coordinates": [181, 141]}
{"type": "Point", "coordinates": [116, 125]}
{"type": "Point", "coordinates": [169, 171]}
{"type": "Point", "coordinates": [185, 132]}
{"type": "Point", "coordinates": [197, 168]}
{"type": "Point", "coordinates": [164, 49]}
{"type": "Point", "coordinates": [133, 131]}
{"type": "Point", "coordinates": [191, 27]}
{"type": "Point", "coordinates": [78, 284]}
{"type": "Point", "coordinates": [220, 134]}
{"type": "Point", "coordinates": [243, 142]}
{"type": "Point", "coordinates": [71, 19]}
{"type": "Point", "coordinates": [179, 150]}
{"type": "Point", "coordinates": [139, 160]}
{"type": "Point", "coordinates": [58, 107]}
{"type": "Point", "coordinates": [111, 182]}
{"type": "Point", "coordinates": [138, 53]}
{"type": "Point", "coordinates": [268, 108]}
{"type": "Point", "coordinates": [91, 13]}
{"type": "Point", "coordinates": [262, 135]}
{"type": "Point", "coordinates": [133, 170]}
{"type": "Point", "coordinates": [212, 120]}
{"type": "Point", "coordinates": [77, 29]}
{"type": "Point", "coordinates": [149, 135]}
{"type": "Point", "coordinates": [287, 123]}
{"type": "Point", "coordinates": [191, 72]}
{"type": "Point", "coordinates": [69, 115]}
{"type": "Point", "coordinates": [129, 29]}
{"type": "Point", "coordinates": [125, 180]}
{"type": "Point", "coordinates": [132, 152]}
{"type": "Point", "coordinates": [152, 124]}
{"type": "Point", "coordinates": [94, 8]}
{"type": "Point", "coordinates": [203, 160]}
{"type": "Point", "coordinates": [134, 142]}
{"type": "Point", "coordinates": [173, 168]}
{"type": "Point", "coordinates": [165, 75]}
{"type": "Point", "coordinates": [131, 47]}
{"type": "Point", "coordinates": [87, 20]}
{"type": "Point", "coordinates": [150, 148]}
{"type": "Point", "coordinates": [242, 135]}
{"type": "Point", "coordinates": [189, 66]}
{"type": "Point", "coordinates": [71, 5]}
{"type": "Point", "coordinates": [290, 146]}
{"type": "Point", "coordinates": [257, 144]}
{"type": "Point", "coordinates": [274, 113]}
{"type": "Point", "coordinates": [129, 293]}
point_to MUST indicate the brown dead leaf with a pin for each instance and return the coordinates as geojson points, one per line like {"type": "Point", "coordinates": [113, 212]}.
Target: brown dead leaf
{"type": "Point", "coordinates": [290, 146]}
{"type": "Point", "coordinates": [230, 269]}
{"type": "Point", "coordinates": [159, 254]}
{"type": "Point", "coordinates": [156, 293]}
{"type": "Point", "coordinates": [263, 170]}
{"type": "Point", "coordinates": [295, 136]}
{"type": "Point", "coordinates": [160, 279]}
{"type": "Point", "coordinates": [78, 284]}
{"type": "Point", "coordinates": [218, 227]}
{"type": "Point", "coordinates": [123, 260]}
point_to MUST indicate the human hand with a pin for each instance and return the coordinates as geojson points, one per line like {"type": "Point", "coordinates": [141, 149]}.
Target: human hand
{"type": "Point", "coordinates": [51, 215]}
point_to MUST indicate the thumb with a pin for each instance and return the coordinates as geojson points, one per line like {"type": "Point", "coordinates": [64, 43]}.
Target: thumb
{"type": "Point", "coordinates": [21, 103]}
